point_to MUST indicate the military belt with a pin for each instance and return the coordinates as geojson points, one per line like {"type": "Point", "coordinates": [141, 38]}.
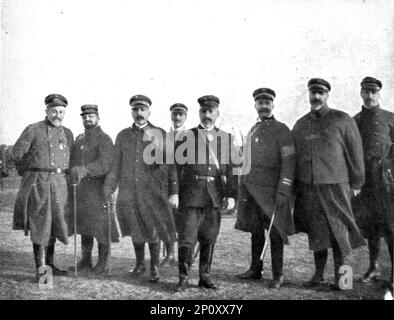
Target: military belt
{"type": "Point", "coordinates": [53, 170]}
{"type": "Point", "coordinates": [207, 178]}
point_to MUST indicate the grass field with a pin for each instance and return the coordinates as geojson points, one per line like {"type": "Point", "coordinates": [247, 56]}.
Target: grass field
{"type": "Point", "coordinates": [232, 256]}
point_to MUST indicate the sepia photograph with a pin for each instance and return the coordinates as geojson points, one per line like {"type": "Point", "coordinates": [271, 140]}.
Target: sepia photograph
{"type": "Point", "coordinates": [197, 155]}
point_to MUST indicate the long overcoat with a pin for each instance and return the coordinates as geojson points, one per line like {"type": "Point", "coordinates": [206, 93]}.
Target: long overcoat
{"type": "Point", "coordinates": [41, 204]}
{"type": "Point", "coordinates": [329, 164]}
{"type": "Point", "coordinates": [144, 184]}
{"type": "Point", "coordinates": [270, 152]}
{"type": "Point", "coordinates": [375, 206]}
{"type": "Point", "coordinates": [94, 150]}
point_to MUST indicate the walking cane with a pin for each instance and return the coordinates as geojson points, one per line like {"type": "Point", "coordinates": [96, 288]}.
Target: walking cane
{"type": "Point", "coordinates": [75, 228]}
{"type": "Point", "coordinates": [109, 211]}
{"type": "Point", "coordinates": [268, 234]}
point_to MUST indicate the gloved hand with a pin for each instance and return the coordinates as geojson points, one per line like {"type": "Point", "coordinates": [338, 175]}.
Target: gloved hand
{"type": "Point", "coordinates": [108, 194]}
{"type": "Point", "coordinates": [77, 173]}
{"type": "Point", "coordinates": [281, 200]}
{"type": "Point", "coordinates": [355, 192]}
{"type": "Point", "coordinates": [173, 200]}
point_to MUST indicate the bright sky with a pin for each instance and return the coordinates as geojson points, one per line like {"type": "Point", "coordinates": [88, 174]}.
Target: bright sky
{"type": "Point", "coordinates": [105, 51]}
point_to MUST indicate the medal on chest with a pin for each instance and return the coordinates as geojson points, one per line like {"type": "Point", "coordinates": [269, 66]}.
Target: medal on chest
{"type": "Point", "coordinates": [62, 143]}
{"type": "Point", "coordinates": [209, 137]}
{"type": "Point", "coordinates": [81, 147]}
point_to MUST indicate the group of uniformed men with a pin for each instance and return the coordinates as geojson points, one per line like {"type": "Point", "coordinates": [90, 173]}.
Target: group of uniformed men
{"type": "Point", "coordinates": [327, 161]}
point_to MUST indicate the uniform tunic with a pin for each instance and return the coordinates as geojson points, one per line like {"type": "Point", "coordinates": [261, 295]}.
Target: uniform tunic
{"type": "Point", "coordinates": [94, 150]}
{"type": "Point", "coordinates": [42, 201]}
{"type": "Point", "coordinates": [202, 188]}
{"type": "Point", "coordinates": [142, 203]}
{"type": "Point", "coordinates": [329, 163]}
{"type": "Point", "coordinates": [372, 208]}
{"type": "Point", "coordinates": [272, 164]}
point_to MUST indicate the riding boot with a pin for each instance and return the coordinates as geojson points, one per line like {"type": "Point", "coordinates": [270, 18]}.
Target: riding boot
{"type": "Point", "coordinates": [154, 249]}
{"type": "Point", "coordinates": [320, 264]}
{"type": "Point", "coordinates": [374, 250]}
{"type": "Point", "coordinates": [139, 268]}
{"type": "Point", "coordinates": [39, 253]}
{"type": "Point", "coordinates": [103, 250]}
{"type": "Point", "coordinates": [338, 262]}
{"type": "Point", "coordinates": [277, 247]}
{"type": "Point", "coordinates": [184, 256]}
{"type": "Point", "coordinates": [86, 261]}
{"type": "Point", "coordinates": [170, 256]}
{"type": "Point", "coordinates": [49, 260]}
{"type": "Point", "coordinates": [256, 265]}
{"type": "Point", "coordinates": [390, 245]}
{"type": "Point", "coordinates": [206, 255]}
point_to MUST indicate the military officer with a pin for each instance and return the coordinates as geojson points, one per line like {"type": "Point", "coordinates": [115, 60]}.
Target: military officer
{"type": "Point", "coordinates": [175, 137]}
{"type": "Point", "coordinates": [207, 183]}
{"type": "Point", "coordinates": [41, 156]}
{"type": "Point", "coordinates": [330, 167]}
{"type": "Point", "coordinates": [267, 187]}
{"type": "Point", "coordinates": [143, 205]}
{"type": "Point", "coordinates": [91, 160]}
{"type": "Point", "coordinates": [375, 205]}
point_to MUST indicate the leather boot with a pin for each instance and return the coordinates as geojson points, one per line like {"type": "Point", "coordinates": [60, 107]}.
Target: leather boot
{"type": "Point", "coordinates": [86, 261]}
{"type": "Point", "coordinates": [390, 245]}
{"type": "Point", "coordinates": [320, 264]}
{"type": "Point", "coordinates": [373, 271]}
{"type": "Point", "coordinates": [276, 260]}
{"type": "Point", "coordinates": [50, 252]}
{"type": "Point", "coordinates": [39, 257]}
{"type": "Point", "coordinates": [184, 256]}
{"type": "Point", "coordinates": [256, 265]}
{"type": "Point", "coordinates": [154, 249]}
{"type": "Point", "coordinates": [206, 255]}
{"type": "Point", "coordinates": [103, 250]}
{"type": "Point", "coordinates": [170, 256]}
{"type": "Point", "coordinates": [139, 268]}
{"type": "Point", "coordinates": [338, 262]}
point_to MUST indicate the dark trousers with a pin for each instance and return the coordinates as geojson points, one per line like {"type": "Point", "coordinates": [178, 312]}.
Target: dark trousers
{"type": "Point", "coordinates": [198, 224]}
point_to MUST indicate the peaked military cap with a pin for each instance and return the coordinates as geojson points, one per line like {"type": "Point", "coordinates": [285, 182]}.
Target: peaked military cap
{"type": "Point", "coordinates": [178, 107]}
{"type": "Point", "coordinates": [89, 108]}
{"type": "Point", "coordinates": [317, 84]}
{"type": "Point", "coordinates": [264, 93]}
{"type": "Point", "coordinates": [140, 99]}
{"type": "Point", "coordinates": [55, 100]}
{"type": "Point", "coordinates": [371, 83]}
{"type": "Point", "coordinates": [208, 101]}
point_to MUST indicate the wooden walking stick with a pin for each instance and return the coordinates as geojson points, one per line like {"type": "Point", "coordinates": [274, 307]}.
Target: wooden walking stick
{"type": "Point", "coordinates": [75, 228]}
{"type": "Point", "coordinates": [109, 211]}
{"type": "Point", "coordinates": [268, 234]}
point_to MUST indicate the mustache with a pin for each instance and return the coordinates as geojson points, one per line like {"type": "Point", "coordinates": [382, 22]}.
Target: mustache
{"type": "Point", "coordinates": [316, 100]}
{"type": "Point", "coordinates": [263, 109]}
{"type": "Point", "coordinates": [140, 118]}
{"type": "Point", "coordinates": [207, 120]}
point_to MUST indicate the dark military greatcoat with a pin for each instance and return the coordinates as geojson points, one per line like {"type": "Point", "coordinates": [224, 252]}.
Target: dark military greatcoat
{"type": "Point", "coordinates": [142, 204]}
{"type": "Point", "coordinates": [329, 163]}
{"type": "Point", "coordinates": [270, 152]}
{"type": "Point", "coordinates": [94, 150]}
{"type": "Point", "coordinates": [374, 207]}
{"type": "Point", "coordinates": [41, 155]}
